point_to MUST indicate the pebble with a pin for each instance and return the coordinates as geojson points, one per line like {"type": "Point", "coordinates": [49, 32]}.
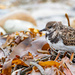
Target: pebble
{"type": "Point", "coordinates": [18, 15]}
{"type": "Point", "coordinates": [17, 25]}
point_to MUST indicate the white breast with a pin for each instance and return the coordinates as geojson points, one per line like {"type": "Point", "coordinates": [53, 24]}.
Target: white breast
{"type": "Point", "coordinates": [60, 46]}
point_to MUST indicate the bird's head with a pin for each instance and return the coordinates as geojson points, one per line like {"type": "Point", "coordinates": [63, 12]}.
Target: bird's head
{"type": "Point", "coordinates": [51, 26]}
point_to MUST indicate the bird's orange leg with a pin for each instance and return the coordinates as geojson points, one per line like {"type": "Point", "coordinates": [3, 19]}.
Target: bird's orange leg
{"type": "Point", "coordinates": [57, 56]}
{"type": "Point", "coordinates": [64, 54]}
{"type": "Point", "coordinates": [72, 55]}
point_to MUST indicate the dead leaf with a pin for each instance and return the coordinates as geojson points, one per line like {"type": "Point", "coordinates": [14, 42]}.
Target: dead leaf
{"type": "Point", "coordinates": [30, 54]}
{"type": "Point", "coordinates": [2, 41]}
{"type": "Point", "coordinates": [67, 71]}
{"type": "Point", "coordinates": [27, 46]}
{"type": "Point", "coordinates": [18, 62]}
{"type": "Point", "coordinates": [43, 51]}
{"type": "Point", "coordinates": [7, 68]}
{"type": "Point", "coordinates": [49, 63]}
{"type": "Point", "coordinates": [1, 33]}
{"type": "Point", "coordinates": [35, 32]}
{"type": "Point", "coordinates": [20, 49]}
{"type": "Point", "coordinates": [71, 69]}
{"type": "Point", "coordinates": [7, 71]}
{"type": "Point", "coordinates": [46, 46]}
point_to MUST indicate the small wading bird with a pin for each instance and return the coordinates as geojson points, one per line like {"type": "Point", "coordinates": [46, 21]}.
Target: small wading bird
{"type": "Point", "coordinates": [60, 37]}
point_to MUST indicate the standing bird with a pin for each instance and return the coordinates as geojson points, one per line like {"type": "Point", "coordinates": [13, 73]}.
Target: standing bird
{"type": "Point", "coordinates": [59, 36]}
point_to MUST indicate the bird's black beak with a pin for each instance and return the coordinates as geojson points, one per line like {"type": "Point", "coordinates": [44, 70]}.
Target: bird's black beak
{"type": "Point", "coordinates": [43, 30]}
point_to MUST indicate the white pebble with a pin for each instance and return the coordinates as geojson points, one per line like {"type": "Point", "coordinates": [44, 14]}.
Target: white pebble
{"type": "Point", "coordinates": [17, 25]}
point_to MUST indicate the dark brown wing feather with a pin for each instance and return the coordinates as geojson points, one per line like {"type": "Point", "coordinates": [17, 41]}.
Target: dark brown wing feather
{"type": "Point", "coordinates": [68, 36]}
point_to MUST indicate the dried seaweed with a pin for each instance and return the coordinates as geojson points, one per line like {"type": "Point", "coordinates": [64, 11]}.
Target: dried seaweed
{"type": "Point", "coordinates": [30, 54]}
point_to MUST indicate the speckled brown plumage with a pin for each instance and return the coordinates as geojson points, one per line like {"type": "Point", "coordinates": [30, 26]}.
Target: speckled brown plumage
{"type": "Point", "coordinates": [67, 34]}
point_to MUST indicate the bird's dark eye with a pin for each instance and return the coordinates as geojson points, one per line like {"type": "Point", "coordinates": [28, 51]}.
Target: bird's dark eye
{"type": "Point", "coordinates": [50, 27]}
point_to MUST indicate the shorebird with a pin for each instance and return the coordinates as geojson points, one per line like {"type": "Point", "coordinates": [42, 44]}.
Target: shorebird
{"type": "Point", "coordinates": [59, 36]}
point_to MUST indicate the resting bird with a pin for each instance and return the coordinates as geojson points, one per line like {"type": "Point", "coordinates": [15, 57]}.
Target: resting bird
{"type": "Point", "coordinates": [59, 36]}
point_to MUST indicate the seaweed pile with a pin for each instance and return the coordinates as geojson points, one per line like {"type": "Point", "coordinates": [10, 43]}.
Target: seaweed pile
{"type": "Point", "coordinates": [28, 53]}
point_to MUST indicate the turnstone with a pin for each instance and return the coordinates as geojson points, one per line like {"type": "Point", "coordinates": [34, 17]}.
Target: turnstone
{"type": "Point", "coordinates": [59, 36]}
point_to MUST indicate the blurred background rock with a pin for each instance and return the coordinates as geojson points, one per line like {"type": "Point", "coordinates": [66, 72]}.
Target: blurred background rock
{"type": "Point", "coordinates": [36, 12]}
